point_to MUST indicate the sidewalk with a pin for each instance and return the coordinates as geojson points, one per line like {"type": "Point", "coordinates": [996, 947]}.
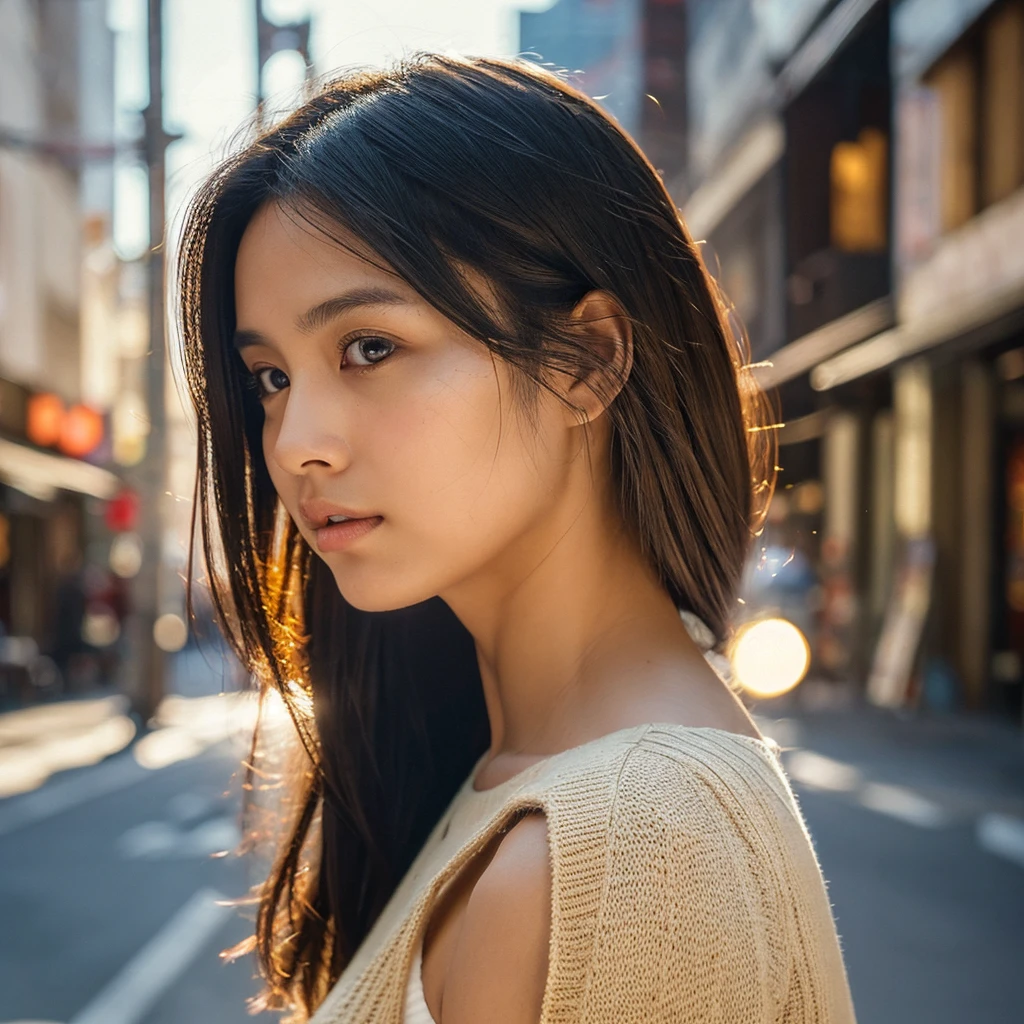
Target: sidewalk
{"type": "Point", "coordinates": [54, 739]}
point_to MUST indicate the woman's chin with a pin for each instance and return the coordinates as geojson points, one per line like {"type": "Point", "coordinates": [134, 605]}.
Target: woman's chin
{"type": "Point", "coordinates": [373, 596]}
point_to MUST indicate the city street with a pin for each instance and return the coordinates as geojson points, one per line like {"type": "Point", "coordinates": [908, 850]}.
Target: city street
{"type": "Point", "coordinates": [914, 823]}
{"type": "Point", "coordinates": [84, 890]}
{"type": "Point", "coordinates": [919, 827]}
{"type": "Point", "coordinates": [798, 223]}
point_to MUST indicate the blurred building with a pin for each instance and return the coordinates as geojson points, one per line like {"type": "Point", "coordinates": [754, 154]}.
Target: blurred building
{"type": "Point", "coordinates": [790, 149]}
{"type": "Point", "coordinates": [856, 168]}
{"type": "Point", "coordinates": [628, 55]}
{"type": "Point", "coordinates": [953, 360]}
{"type": "Point", "coordinates": [58, 295]}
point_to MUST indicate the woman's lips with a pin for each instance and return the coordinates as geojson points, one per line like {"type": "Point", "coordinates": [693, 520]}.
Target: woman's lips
{"type": "Point", "coordinates": [339, 536]}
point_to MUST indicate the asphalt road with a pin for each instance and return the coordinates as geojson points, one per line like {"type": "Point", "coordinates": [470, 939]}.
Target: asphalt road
{"type": "Point", "coordinates": [84, 891]}
{"type": "Point", "coordinates": [930, 913]}
{"type": "Point", "coordinates": [922, 847]}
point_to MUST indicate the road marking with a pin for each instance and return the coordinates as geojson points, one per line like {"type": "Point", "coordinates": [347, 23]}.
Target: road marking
{"type": "Point", "coordinates": [820, 772]}
{"type": "Point", "coordinates": [902, 803]}
{"type": "Point", "coordinates": [1002, 835]}
{"type": "Point", "coordinates": [815, 771]}
{"type": "Point", "coordinates": [160, 840]}
{"type": "Point", "coordinates": [133, 992]}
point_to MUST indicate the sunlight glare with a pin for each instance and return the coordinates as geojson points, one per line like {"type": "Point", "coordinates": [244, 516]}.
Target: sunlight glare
{"type": "Point", "coordinates": [770, 657]}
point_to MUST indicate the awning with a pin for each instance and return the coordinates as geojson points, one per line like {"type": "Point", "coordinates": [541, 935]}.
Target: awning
{"type": "Point", "coordinates": [821, 46]}
{"type": "Point", "coordinates": [755, 154]}
{"type": "Point", "coordinates": [804, 428]}
{"type": "Point", "coordinates": [42, 474]}
{"type": "Point", "coordinates": [801, 355]}
{"type": "Point", "coordinates": [976, 322]}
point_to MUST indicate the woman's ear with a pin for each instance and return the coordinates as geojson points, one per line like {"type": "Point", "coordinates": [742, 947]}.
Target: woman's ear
{"type": "Point", "coordinates": [607, 332]}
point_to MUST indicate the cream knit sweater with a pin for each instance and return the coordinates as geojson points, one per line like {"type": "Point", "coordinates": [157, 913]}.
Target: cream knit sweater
{"type": "Point", "coordinates": [685, 888]}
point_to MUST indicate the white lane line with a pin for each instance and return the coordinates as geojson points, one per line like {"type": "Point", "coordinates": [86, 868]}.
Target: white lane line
{"type": "Point", "coordinates": [63, 794]}
{"type": "Point", "coordinates": [1002, 835]}
{"type": "Point", "coordinates": [816, 771]}
{"type": "Point", "coordinates": [902, 803]}
{"type": "Point", "coordinates": [159, 840]}
{"type": "Point", "coordinates": [133, 992]}
{"type": "Point", "coordinates": [820, 772]}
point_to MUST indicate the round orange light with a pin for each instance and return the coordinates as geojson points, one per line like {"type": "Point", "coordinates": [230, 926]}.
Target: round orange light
{"type": "Point", "coordinates": [81, 431]}
{"type": "Point", "coordinates": [43, 419]}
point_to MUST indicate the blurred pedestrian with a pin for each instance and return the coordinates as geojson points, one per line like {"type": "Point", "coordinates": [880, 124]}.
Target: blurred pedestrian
{"type": "Point", "coordinates": [67, 644]}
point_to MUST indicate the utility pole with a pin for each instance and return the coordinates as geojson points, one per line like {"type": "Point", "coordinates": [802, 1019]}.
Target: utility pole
{"type": "Point", "coordinates": [145, 664]}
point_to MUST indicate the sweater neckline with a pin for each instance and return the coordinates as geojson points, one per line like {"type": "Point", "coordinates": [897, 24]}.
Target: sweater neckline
{"type": "Point", "coordinates": [471, 794]}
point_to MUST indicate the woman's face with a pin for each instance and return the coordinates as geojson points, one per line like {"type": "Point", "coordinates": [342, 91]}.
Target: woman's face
{"type": "Point", "coordinates": [379, 407]}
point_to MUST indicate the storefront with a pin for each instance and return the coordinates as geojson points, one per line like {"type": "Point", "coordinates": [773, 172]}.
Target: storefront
{"type": "Point", "coordinates": [955, 362]}
{"type": "Point", "coordinates": [833, 291]}
{"type": "Point", "coordinates": [53, 546]}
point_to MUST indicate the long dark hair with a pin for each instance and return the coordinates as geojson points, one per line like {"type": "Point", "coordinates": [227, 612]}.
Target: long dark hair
{"type": "Point", "coordinates": [441, 164]}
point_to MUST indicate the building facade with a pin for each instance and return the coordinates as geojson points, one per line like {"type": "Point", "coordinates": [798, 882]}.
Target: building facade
{"type": "Point", "coordinates": [856, 168]}
{"type": "Point", "coordinates": [58, 285]}
{"type": "Point", "coordinates": [791, 146]}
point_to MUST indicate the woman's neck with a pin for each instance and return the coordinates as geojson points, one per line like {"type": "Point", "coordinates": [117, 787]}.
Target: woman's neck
{"type": "Point", "coordinates": [571, 628]}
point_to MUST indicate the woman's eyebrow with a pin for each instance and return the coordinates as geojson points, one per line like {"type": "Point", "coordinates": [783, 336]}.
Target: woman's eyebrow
{"type": "Point", "coordinates": [330, 309]}
{"type": "Point", "coordinates": [324, 312]}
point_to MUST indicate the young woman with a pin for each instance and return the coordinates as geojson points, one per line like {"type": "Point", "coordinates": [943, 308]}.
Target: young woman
{"type": "Point", "coordinates": [479, 466]}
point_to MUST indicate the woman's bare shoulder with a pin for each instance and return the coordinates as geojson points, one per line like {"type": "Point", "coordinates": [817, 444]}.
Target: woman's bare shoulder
{"type": "Point", "coordinates": [499, 965]}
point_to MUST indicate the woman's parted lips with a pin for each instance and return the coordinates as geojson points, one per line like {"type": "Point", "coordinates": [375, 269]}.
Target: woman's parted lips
{"type": "Point", "coordinates": [316, 511]}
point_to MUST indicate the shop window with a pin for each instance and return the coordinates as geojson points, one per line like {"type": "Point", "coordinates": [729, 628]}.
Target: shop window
{"type": "Point", "coordinates": [955, 83]}
{"type": "Point", "coordinates": [979, 86]}
{"type": "Point", "coordinates": [837, 180]}
{"type": "Point", "coordinates": [1003, 112]}
{"type": "Point", "coordinates": [859, 184]}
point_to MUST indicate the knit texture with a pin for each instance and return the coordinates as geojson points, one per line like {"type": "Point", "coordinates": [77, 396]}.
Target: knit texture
{"type": "Point", "coordinates": [685, 888]}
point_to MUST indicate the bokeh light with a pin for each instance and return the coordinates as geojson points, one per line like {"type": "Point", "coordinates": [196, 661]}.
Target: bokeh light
{"type": "Point", "coordinates": [170, 632]}
{"type": "Point", "coordinates": [770, 657]}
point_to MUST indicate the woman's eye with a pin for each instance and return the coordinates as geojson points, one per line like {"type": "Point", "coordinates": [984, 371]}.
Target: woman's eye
{"type": "Point", "coordinates": [270, 380]}
{"type": "Point", "coordinates": [367, 351]}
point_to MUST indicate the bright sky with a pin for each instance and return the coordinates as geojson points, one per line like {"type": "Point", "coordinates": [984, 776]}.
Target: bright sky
{"type": "Point", "coordinates": [210, 69]}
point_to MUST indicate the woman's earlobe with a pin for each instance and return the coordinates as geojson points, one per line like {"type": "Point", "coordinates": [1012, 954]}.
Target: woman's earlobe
{"type": "Point", "coordinates": [607, 331]}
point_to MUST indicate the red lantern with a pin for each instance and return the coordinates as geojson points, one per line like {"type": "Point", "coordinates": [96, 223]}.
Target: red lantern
{"type": "Point", "coordinates": [122, 512]}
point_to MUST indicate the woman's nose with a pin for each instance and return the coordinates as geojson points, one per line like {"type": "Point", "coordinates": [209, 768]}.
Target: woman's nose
{"type": "Point", "coordinates": [309, 435]}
